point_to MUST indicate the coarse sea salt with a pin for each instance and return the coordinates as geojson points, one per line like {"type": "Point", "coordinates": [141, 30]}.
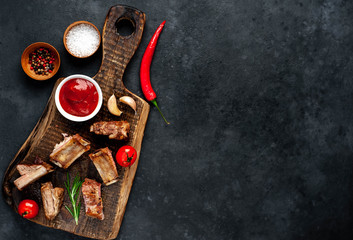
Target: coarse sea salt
{"type": "Point", "coordinates": [82, 40]}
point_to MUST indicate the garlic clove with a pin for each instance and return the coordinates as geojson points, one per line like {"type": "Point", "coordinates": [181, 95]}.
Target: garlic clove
{"type": "Point", "coordinates": [128, 101]}
{"type": "Point", "coordinates": [113, 107]}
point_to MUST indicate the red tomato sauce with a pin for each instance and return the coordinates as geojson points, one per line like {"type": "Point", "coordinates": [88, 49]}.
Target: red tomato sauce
{"type": "Point", "coordinates": [78, 97]}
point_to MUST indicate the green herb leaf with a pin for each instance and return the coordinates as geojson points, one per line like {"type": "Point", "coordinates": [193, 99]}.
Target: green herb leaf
{"type": "Point", "coordinates": [73, 196]}
{"type": "Point", "coordinates": [68, 209]}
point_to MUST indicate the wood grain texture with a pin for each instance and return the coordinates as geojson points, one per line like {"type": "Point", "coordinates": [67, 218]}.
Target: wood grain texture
{"type": "Point", "coordinates": [117, 52]}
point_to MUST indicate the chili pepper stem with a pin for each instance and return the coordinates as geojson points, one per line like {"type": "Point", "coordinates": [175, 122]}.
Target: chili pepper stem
{"type": "Point", "coordinates": [155, 104]}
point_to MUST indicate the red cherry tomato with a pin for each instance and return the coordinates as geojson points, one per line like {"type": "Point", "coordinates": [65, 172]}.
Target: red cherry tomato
{"type": "Point", "coordinates": [126, 156]}
{"type": "Point", "coordinates": [28, 208]}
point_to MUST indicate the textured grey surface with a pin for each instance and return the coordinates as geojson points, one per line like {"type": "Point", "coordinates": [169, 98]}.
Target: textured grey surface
{"type": "Point", "coordinates": [259, 94]}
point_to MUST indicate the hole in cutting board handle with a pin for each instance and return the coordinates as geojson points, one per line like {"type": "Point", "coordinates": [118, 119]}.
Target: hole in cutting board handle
{"type": "Point", "coordinates": [125, 26]}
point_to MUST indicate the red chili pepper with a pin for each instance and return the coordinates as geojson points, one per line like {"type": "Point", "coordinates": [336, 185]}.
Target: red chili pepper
{"type": "Point", "coordinates": [145, 69]}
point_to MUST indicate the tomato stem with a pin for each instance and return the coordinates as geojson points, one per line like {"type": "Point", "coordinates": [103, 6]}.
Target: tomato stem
{"type": "Point", "coordinates": [129, 158]}
{"type": "Point", "coordinates": [155, 104]}
{"type": "Point", "coordinates": [24, 213]}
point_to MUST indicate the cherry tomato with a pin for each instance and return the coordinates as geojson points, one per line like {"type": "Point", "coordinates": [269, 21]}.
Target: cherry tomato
{"type": "Point", "coordinates": [28, 208]}
{"type": "Point", "coordinates": [126, 156]}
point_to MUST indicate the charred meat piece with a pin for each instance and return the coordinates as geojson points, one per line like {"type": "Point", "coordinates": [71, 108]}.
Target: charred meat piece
{"type": "Point", "coordinates": [104, 162]}
{"type": "Point", "coordinates": [52, 199]}
{"type": "Point", "coordinates": [71, 148]}
{"type": "Point", "coordinates": [115, 129]}
{"type": "Point", "coordinates": [91, 191]}
{"type": "Point", "coordinates": [31, 173]}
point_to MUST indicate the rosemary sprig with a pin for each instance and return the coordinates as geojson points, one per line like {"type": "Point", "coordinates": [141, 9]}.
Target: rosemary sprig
{"type": "Point", "coordinates": [73, 195]}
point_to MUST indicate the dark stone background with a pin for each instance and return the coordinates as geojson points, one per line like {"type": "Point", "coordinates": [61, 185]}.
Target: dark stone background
{"type": "Point", "coordinates": [259, 94]}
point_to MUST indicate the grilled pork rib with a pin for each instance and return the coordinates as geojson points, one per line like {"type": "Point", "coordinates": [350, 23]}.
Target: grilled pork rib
{"type": "Point", "coordinates": [31, 173]}
{"type": "Point", "coordinates": [71, 148]}
{"type": "Point", "coordinates": [104, 162]}
{"type": "Point", "coordinates": [52, 199]}
{"type": "Point", "coordinates": [115, 129]}
{"type": "Point", "coordinates": [91, 191]}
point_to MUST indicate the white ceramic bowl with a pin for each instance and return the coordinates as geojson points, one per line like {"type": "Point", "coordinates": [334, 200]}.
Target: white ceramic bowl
{"type": "Point", "coordinates": [72, 117]}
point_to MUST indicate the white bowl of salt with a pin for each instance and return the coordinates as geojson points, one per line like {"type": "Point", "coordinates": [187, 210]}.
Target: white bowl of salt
{"type": "Point", "coordinates": [82, 39]}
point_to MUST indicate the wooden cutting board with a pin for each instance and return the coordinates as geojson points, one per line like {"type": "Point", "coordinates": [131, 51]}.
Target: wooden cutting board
{"type": "Point", "coordinates": [117, 52]}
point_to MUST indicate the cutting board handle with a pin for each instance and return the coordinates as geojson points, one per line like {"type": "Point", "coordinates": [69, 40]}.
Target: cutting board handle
{"type": "Point", "coordinates": [119, 49]}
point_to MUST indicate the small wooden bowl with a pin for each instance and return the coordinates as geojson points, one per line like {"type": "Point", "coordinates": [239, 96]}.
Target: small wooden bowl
{"type": "Point", "coordinates": [26, 65]}
{"type": "Point", "coordinates": [75, 24]}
